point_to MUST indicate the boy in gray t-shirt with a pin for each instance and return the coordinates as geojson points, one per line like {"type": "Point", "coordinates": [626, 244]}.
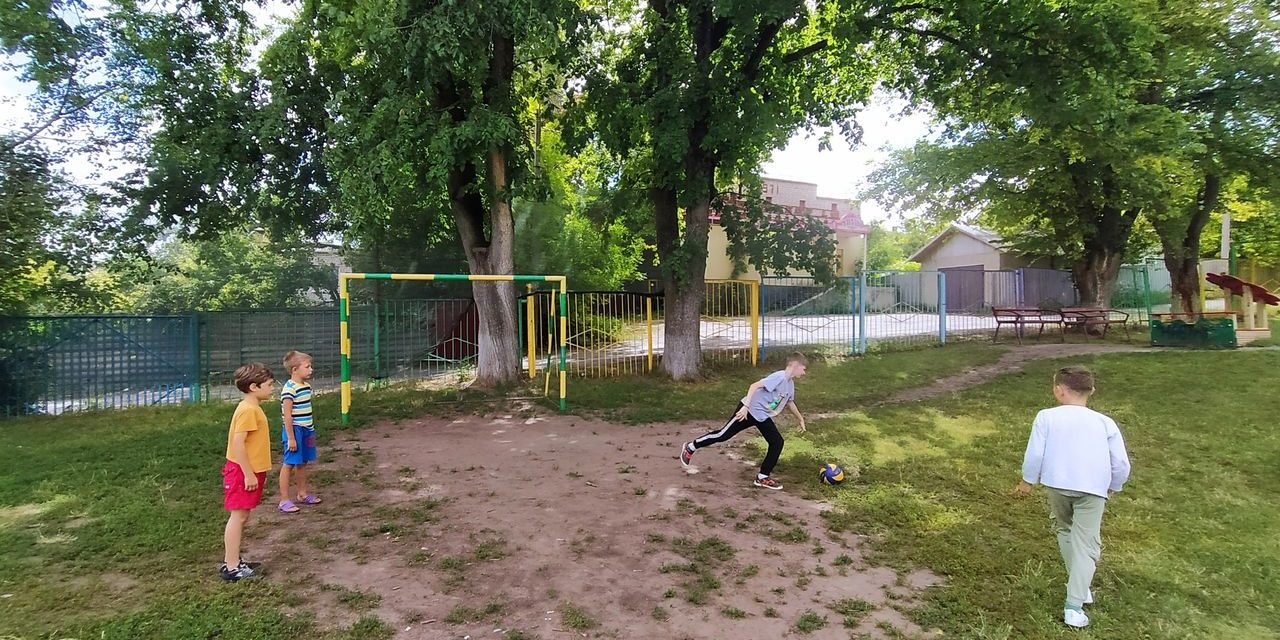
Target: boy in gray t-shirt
{"type": "Point", "coordinates": [764, 400]}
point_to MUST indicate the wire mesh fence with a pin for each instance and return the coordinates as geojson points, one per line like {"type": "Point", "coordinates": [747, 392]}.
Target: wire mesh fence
{"type": "Point", "coordinates": [58, 364]}
{"type": "Point", "coordinates": [54, 365]}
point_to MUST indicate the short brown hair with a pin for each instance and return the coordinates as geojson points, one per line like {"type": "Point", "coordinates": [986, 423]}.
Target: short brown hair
{"type": "Point", "coordinates": [294, 359]}
{"type": "Point", "coordinates": [796, 356]}
{"type": "Point", "coordinates": [251, 374]}
{"type": "Point", "coordinates": [1076, 378]}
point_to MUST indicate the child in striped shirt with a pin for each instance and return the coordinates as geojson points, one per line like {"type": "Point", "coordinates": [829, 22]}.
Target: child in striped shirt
{"type": "Point", "coordinates": [298, 435]}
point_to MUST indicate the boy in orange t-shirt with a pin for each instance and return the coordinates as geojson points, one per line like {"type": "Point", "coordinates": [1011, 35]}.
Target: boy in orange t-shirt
{"type": "Point", "coordinates": [248, 461]}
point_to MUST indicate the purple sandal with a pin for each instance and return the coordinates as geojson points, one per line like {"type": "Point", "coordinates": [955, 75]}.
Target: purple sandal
{"type": "Point", "coordinates": [309, 499]}
{"type": "Point", "coordinates": [288, 507]}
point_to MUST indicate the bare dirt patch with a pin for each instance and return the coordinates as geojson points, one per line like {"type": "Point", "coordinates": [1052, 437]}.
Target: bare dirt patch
{"type": "Point", "coordinates": [560, 527]}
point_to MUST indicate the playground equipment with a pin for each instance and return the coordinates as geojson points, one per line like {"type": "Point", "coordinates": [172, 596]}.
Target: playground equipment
{"type": "Point", "coordinates": [1254, 300]}
{"type": "Point", "coordinates": [1240, 323]}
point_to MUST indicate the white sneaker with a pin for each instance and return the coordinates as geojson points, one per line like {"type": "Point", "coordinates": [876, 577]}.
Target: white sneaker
{"type": "Point", "coordinates": [1075, 618]}
{"type": "Point", "coordinates": [1088, 598]}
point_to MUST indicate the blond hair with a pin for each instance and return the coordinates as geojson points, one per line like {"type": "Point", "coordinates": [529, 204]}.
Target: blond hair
{"type": "Point", "coordinates": [295, 359]}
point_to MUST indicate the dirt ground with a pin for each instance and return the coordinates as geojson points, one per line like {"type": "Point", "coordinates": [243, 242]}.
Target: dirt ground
{"type": "Point", "coordinates": [537, 526]}
{"type": "Point", "coordinates": [560, 527]}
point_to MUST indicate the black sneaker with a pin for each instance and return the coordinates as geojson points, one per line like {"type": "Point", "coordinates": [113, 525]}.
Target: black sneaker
{"type": "Point", "coordinates": [242, 572]}
{"type": "Point", "coordinates": [686, 454]}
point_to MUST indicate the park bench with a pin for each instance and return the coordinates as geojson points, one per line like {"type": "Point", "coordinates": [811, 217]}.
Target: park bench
{"type": "Point", "coordinates": [1086, 318]}
{"type": "Point", "coordinates": [1022, 318]}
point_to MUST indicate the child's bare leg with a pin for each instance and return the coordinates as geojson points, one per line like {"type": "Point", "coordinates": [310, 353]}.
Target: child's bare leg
{"type": "Point", "coordinates": [286, 471]}
{"type": "Point", "coordinates": [304, 490]}
{"type": "Point", "coordinates": [231, 537]}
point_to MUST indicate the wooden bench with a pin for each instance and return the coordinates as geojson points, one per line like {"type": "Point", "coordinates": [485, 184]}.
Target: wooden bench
{"type": "Point", "coordinates": [1085, 318]}
{"type": "Point", "coordinates": [1022, 318]}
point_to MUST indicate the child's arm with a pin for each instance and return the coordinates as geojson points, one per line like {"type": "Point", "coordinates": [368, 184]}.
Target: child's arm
{"type": "Point", "coordinates": [240, 453]}
{"type": "Point", "coordinates": [1033, 459]}
{"type": "Point", "coordinates": [796, 410]}
{"type": "Point", "coordinates": [1119, 460]}
{"type": "Point", "coordinates": [287, 405]}
{"type": "Point", "coordinates": [746, 402]}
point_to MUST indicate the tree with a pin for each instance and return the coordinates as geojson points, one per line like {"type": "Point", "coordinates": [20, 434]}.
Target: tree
{"type": "Point", "coordinates": [362, 117]}
{"type": "Point", "coordinates": [693, 95]}
{"type": "Point", "coordinates": [45, 244]}
{"type": "Point", "coordinates": [241, 269]}
{"type": "Point", "coordinates": [1048, 134]}
{"type": "Point", "coordinates": [1029, 190]}
{"type": "Point", "coordinates": [1217, 70]}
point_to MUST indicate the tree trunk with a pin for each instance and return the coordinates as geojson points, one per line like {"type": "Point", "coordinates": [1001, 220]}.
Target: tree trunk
{"type": "Point", "coordinates": [684, 268]}
{"type": "Point", "coordinates": [1106, 229]}
{"type": "Point", "coordinates": [1096, 274]}
{"type": "Point", "coordinates": [1181, 243]}
{"type": "Point", "coordinates": [491, 253]}
{"type": "Point", "coordinates": [499, 361]}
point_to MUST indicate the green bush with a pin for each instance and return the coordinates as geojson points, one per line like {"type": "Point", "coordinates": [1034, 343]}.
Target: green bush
{"type": "Point", "coordinates": [586, 328]}
{"type": "Point", "coordinates": [1129, 297]}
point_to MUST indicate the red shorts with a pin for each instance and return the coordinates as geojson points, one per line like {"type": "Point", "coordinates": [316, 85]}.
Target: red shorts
{"type": "Point", "coordinates": [234, 497]}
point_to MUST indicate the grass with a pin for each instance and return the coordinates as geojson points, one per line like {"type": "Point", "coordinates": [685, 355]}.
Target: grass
{"type": "Point", "coordinates": [836, 385]}
{"type": "Point", "coordinates": [576, 618]}
{"type": "Point", "coordinates": [1189, 548]}
{"type": "Point", "coordinates": [108, 528]}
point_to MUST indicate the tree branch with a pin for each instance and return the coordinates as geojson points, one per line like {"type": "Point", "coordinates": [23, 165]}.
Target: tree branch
{"type": "Point", "coordinates": [802, 53]}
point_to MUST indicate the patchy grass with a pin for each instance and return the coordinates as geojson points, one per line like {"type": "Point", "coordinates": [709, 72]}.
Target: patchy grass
{"type": "Point", "coordinates": [462, 614]}
{"type": "Point", "coordinates": [576, 618]}
{"type": "Point", "coordinates": [810, 621]}
{"type": "Point", "coordinates": [1189, 546]}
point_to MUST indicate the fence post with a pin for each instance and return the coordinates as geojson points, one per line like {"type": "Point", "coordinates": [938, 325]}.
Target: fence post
{"type": "Point", "coordinates": [194, 384]}
{"type": "Point", "coordinates": [862, 313]}
{"type": "Point", "coordinates": [1019, 287]}
{"type": "Point", "coordinates": [648, 322]}
{"type": "Point", "coordinates": [942, 307]}
{"type": "Point", "coordinates": [853, 314]}
{"type": "Point", "coordinates": [531, 338]}
{"type": "Point", "coordinates": [757, 345]}
{"type": "Point", "coordinates": [1146, 288]}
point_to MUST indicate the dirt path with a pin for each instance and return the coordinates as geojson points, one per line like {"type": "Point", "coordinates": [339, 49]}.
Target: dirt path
{"type": "Point", "coordinates": [450, 529]}
{"type": "Point", "coordinates": [1013, 360]}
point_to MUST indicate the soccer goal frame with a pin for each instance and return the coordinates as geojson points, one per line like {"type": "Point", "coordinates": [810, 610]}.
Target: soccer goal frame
{"type": "Point", "coordinates": [344, 307]}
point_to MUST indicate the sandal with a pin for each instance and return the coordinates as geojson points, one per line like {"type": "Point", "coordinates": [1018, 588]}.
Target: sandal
{"type": "Point", "coordinates": [288, 507]}
{"type": "Point", "coordinates": [308, 499]}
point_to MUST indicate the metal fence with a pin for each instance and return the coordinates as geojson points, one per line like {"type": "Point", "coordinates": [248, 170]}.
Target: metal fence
{"type": "Point", "coordinates": [900, 307]}
{"type": "Point", "coordinates": [53, 365]}
{"type": "Point", "coordinates": [56, 364]}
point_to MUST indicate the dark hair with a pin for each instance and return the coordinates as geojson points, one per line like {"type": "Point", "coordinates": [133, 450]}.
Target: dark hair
{"type": "Point", "coordinates": [251, 374]}
{"type": "Point", "coordinates": [798, 357]}
{"type": "Point", "coordinates": [1076, 378]}
{"type": "Point", "coordinates": [294, 359]}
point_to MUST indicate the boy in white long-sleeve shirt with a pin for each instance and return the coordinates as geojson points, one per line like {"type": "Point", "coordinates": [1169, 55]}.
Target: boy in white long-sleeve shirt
{"type": "Point", "coordinates": [1078, 455]}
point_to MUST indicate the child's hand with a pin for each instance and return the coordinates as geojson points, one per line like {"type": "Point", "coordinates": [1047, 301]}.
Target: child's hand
{"type": "Point", "coordinates": [741, 414]}
{"type": "Point", "coordinates": [293, 444]}
{"type": "Point", "coordinates": [800, 429]}
{"type": "Point", "coordinates": [251, 482]}
{"type": "Point", "coordinates": [1022, 490]}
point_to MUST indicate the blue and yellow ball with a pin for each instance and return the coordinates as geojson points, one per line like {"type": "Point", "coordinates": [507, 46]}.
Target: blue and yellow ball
{"type": "Point", "coordinates": [831, 474]}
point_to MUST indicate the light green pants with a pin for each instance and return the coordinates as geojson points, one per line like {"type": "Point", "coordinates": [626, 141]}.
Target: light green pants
{"type": "Point", "coordinates": [1077, 519]}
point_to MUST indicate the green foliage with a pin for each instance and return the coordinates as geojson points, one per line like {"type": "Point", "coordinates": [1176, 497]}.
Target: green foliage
{"type": "Point", "coordinates": [243, 270]}
{"type": "Point", "coordinates": [776, 241]}
{"type": "Point", "coordinates": [585, 224]}
{"type": "Point", "coordinates": [889, 247]}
